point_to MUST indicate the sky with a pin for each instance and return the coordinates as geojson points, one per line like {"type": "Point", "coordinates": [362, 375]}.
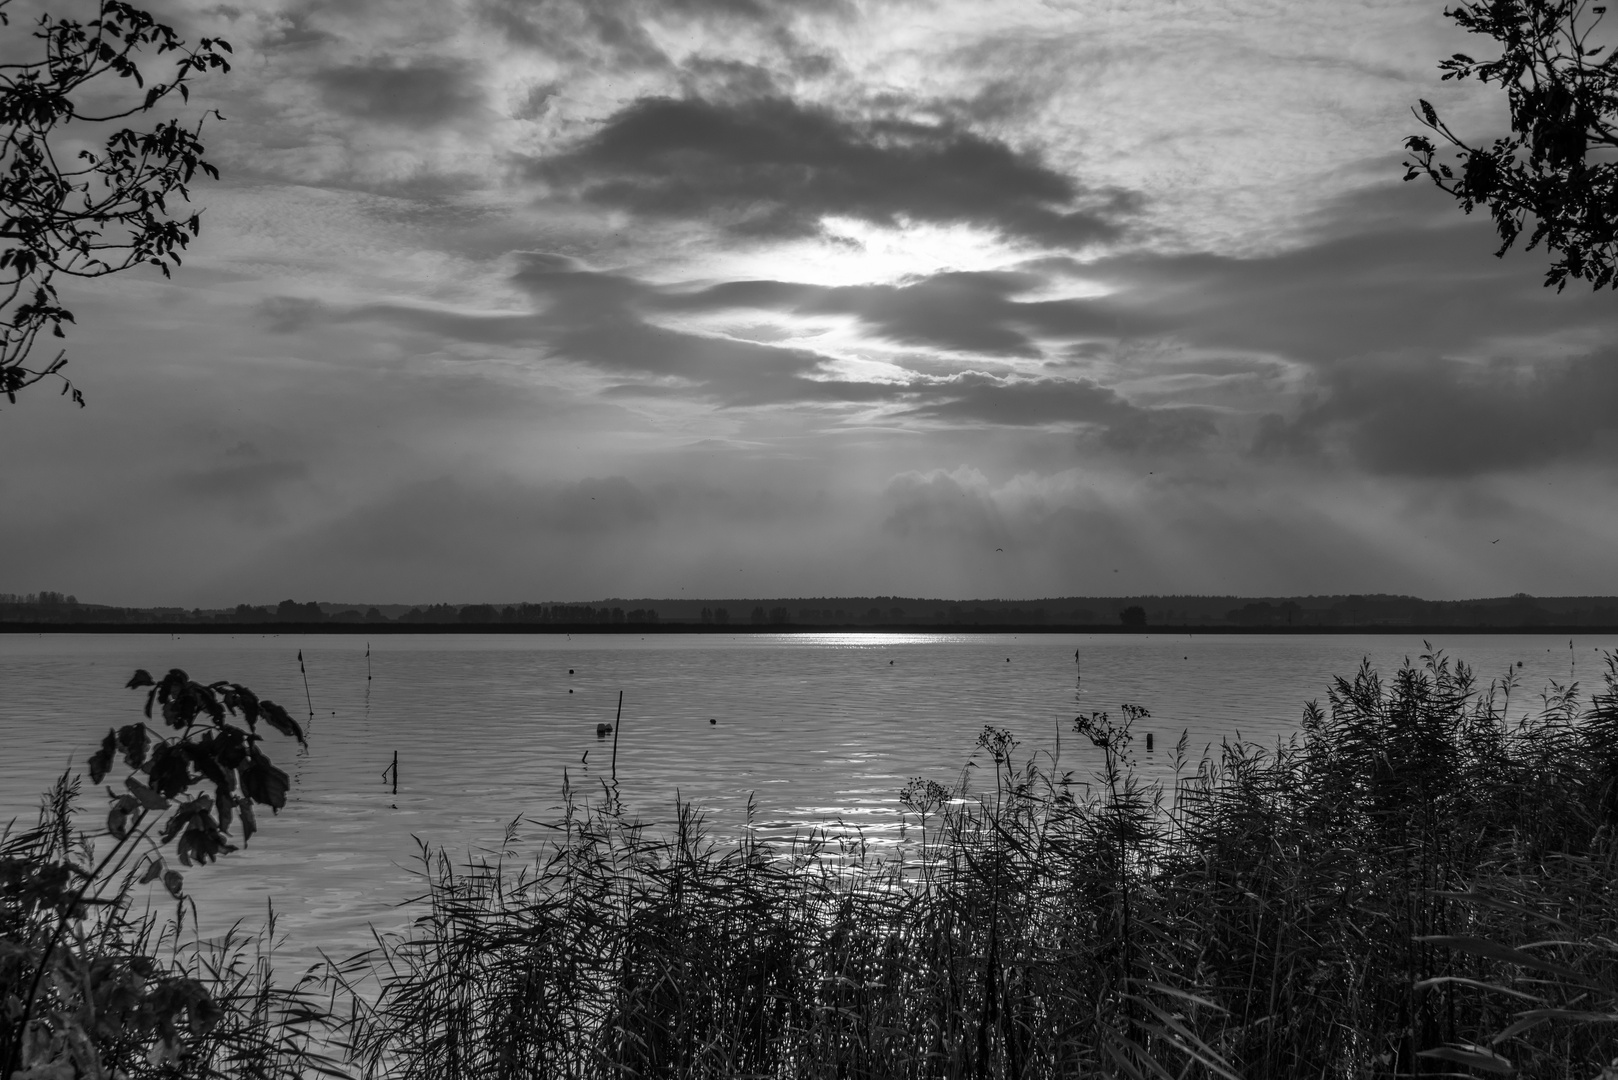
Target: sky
{"type": "Point", "coordinates": [506, 300]}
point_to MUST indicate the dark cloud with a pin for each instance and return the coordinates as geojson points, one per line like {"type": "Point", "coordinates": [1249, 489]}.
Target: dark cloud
{"type": "Point", "coordinates": [601, 320]}
{"type": "Point", "coordinates": [1159, 430]}
{"type": "Point", "coordinates": [402, 93]}
{"type": "Point", "coordinates": [940, 504]}
{"type": "Point", "coordinates": [775, 167]}
{"type": "Point", "coordinates": [245, 480]}
{"type": "Point", "coordinates": [977, 398]}
{"type": "Point", "coordinates": [289, 314]}
{"type": "Point", "coordinates": [600, 505]}
{"type": "Point", "coordinates": [1447, 418]}
{"type": "Point", "coordinates": [1379, 270]}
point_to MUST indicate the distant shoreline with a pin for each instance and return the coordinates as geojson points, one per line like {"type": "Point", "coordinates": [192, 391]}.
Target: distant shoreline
{"type": "Point", "coordinates": [620, 629]}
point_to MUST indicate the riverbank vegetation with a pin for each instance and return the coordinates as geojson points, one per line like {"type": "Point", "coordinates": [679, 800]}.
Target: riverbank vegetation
{"type": "Point", "coordinates": [1417, 885]}
{"type": "Point", "coordinates": [1420, 883]}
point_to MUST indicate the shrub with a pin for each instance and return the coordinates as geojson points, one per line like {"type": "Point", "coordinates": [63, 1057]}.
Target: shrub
{"type": "Point", "coordinates": [84, 989]}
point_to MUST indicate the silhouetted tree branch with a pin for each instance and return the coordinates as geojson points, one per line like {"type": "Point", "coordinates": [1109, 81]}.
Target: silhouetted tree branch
{"type": "Point", "coordinates": [1556, 174]}
{"type": "Point", "coordinates": [100, 209]}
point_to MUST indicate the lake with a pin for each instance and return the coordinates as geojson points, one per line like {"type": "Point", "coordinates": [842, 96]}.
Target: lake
{"type": "Point", "coordinates": [813, 727]}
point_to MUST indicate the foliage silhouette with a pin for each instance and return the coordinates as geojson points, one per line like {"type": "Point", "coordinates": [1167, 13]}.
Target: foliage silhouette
{"type": "Point", "coordinates": [101, 210]}
{"type": "Point", "coordinates": [80, 992]}
{"type": "Point", "coordinates": [1554, 174]}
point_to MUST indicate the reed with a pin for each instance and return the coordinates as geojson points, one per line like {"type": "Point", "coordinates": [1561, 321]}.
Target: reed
{"type": "Point", "coordinates": [1416, 885]}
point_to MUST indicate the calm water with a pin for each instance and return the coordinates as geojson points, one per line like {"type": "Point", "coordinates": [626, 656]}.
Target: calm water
{"type": "Point", "coordinates": [814, 727]}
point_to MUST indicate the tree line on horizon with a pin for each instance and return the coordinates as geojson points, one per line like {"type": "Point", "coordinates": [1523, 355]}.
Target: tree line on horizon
{"type": "Point", "coordinates": [1520, 610]}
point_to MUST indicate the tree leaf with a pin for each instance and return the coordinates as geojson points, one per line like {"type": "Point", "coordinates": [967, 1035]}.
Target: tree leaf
{"type": "Point", "coordinates": [118, 820]}
{"type": "Point", "coordinates": [169, 770]}
{"type": "Point", "coordinates": [249, 822]}
{"type": "Point", "coordinates": [148, 798]}
{"type": "Point", "coordinates": [101, 760]}
{"type": "Point", "coordinates": [278, 718]}
{"type": "Point", "coordinates": [263, 782]}
{"type": "Point", "coordinates": [132, 739]}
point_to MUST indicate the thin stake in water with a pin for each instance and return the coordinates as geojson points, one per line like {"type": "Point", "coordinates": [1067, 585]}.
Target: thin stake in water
{"type": "Point", "coordinates": [394, 770]}
{"type": "Point", "coordinates": [617, 722]}
{"type": "Point", "coordinates": [306, 699]}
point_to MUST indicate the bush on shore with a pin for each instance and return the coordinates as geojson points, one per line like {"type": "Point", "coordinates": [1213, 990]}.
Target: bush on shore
{"type": "Point", "coordinates": [92, 985]}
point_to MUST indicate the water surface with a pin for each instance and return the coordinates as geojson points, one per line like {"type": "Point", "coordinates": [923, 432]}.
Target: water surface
{"type": "Point", "coordinates": [812, 727]}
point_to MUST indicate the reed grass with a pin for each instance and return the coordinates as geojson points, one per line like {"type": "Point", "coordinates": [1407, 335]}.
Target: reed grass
{"type": "Point", "coordinates": [1421, 883]}
{"type": "Point", "coordinates": [1415, 885]}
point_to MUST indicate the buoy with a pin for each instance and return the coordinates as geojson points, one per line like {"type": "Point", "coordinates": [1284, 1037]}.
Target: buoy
{"type": "Point", "coordinates": [570, 671]}
{"type": "Point", "coordinates": [711, 720]}
{"type": "Point", "coordinates": [1148, 742]}
{"type": "Point", "coordinates": [603, 730]}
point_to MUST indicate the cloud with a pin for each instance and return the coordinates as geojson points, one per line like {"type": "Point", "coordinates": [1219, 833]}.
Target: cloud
{"type": "Point", "coordinates": [775, 167]}
{"type": "Point", "coordinates": [420, 93]}
{"type": "Point", "coordinates": [1383, 270]}
{"type": "Point", "coordinates": [975, 313]}
{"type": "Point", "coordinates": [604, 321]}
{"type": "Point", "coordinates": [619, 36]}
{"type": "Point", "coordinates": [244, 480]}
{"type": "Point", "coordinates": [1432, 417]}
{"type": "Point", "coordinates": [957, 504]}
{"type": "Point", "coordinates": [975, 395]}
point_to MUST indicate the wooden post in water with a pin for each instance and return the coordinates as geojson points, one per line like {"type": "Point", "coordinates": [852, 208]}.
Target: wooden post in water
{"type": "Point", "coordinates": [306, 699]}
{"type": "Point", "coordinates": [616, 724]}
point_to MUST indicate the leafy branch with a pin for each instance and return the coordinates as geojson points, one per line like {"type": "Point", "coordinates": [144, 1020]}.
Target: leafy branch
{"type": "Point", "coordinates": [98, 211]}
{"type": "Point", "coordinates": [204, 773]}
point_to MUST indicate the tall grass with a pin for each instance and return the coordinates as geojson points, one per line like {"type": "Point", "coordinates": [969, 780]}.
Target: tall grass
{"type": "Point", "coordinates": [1416, 885]}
